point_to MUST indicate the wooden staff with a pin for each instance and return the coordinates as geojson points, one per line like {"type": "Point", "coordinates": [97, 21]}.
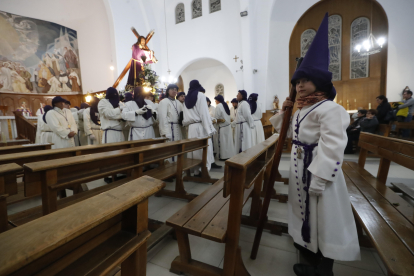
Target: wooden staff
{"type": "Point", "coordinates": [274, 172]}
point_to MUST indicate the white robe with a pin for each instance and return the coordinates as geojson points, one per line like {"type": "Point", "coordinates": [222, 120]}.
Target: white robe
{"type": "Point", "coordinates": [40, 111]}
{"type": "Point", "coordinates": [199, 125]}
{"type": "Point", "coordinates": [257, 132]}
{"type": "Point", "coordinates": [233, 113]}
{"type": "Point", "coordinates": [46, 133]}
{"type": "Point", "coordinates": [332, 224]}
{"type": "Point", "coordinates": [169, 114]}
{"type": "Point", "coordinates": [225, 142]}
{"type": "Point", "coordinates": [140, 128]}
{"type": "Point", "coordinates": [155, 121]}
{"type": "Point", "coordinates": [83, 140]}
{"type": "Point", "coordinates": [111, 123]}
{"type": "Point", "coordinates": [212, 111]}
{"type": "Point", "coordinates": [244, 125]}
{"type": "Point", "coordinates": [91, 128]}
{"type": "Point", "coordinates": [76, 117]}
{"type": "Point", "coordinates": [39, 124]}
{"type": "Point", "coordinates": [61, 122]}
{"type": "Point", "coordinates": [184, 129]}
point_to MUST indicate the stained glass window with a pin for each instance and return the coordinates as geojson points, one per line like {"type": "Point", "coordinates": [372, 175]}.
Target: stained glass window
{"type": "Point", "coordinates": [306, 40]}
{"type": "Point", "coordinates": [196, 8]}
{"type": "Point", "coordinates": [359, 33]}
{"type": "Point", "coordinates": [335, 41]}
{"type": "Point", "coordinates": [179, 13]}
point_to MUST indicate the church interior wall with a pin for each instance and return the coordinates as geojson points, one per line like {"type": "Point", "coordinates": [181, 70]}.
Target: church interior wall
{"type": "Point", "coordinates": [90, 21]}
{"type": "Point", "coordinates": [209, 73]}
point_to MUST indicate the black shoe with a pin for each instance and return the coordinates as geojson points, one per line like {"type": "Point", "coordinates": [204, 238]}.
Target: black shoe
{"type": "Point", "coordinates": [304, 270]}
{"type": "Point", "coordinates": [215, 166]}
{"type": "Point", "coordinates": [108, 180]}
{"type": "Point", "coordinates": [223, 159]}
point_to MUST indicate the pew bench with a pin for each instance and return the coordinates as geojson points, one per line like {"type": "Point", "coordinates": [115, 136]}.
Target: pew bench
{"type": "Point", "coordinates": [10, 143]}
{"type": "Point", "coordinates": [386, 218]}
{"type": "Point", "coordinates": [216, 214]}
{"type": "Point", "coordinates": [402, 125]}
{"type": "Point", "coordinates": [8, 178]}
{"type": "Point", "coordinates": [47, 178]}
{"type": "Point", "coordinates": [91, 237]}
{"type": "Point", "coordinates": [51, 154]}
{"type": "Point", "coordinates": [404, 189]}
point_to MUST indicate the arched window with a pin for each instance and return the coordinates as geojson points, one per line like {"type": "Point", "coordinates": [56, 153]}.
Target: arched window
{"type": "Point", "coordinates": [215, 5]}
{"type": "Point", "coordinates": [306, 40]}
{"type": "Point", "coordinates": [196, 8]}
{"type": "Point", "coordinates": [359, 33]}
{"type": "Point", "coordinates": [335, 39]}
{"type": "Point", "coordinates": [179, 13]}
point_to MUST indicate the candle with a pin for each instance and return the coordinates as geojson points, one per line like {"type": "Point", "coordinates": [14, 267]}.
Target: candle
{"type": "Point", "coordinates": [369, 107]}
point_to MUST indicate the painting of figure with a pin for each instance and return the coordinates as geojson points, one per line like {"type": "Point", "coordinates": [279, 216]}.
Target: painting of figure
{"type": "Point", "coordinates": [38, 56]}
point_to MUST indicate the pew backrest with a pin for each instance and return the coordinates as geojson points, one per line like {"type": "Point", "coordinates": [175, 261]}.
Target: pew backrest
{"type": "Point", "coordinates": [42, 155]}
{"type": "Point", "coordinates": [24, 148]}
{"type": "Point", "coordinates": [116, 219]}
{"type": "Point", "coordinates": [8, 185]}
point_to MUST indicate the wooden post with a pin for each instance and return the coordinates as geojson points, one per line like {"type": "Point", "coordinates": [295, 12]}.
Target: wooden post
{"type": "Point", "coordinates": [234, 221]}
{"type": "Point", "coordinates": [204, 171]}
{"type": "Point", "coordinates": [49, 197]}
{"type": "Point", "coordinates": [383, 169]}
{"type": "Point", "coordinates": [179, 185]}
{"type": "Point", "coordinates": [362, 157]}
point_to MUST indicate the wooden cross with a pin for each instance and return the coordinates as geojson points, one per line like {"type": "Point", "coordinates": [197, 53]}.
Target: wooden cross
{"type": "Point", "coordinates": [235, 58]}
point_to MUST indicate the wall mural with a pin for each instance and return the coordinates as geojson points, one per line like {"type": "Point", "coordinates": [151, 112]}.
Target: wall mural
{"type": "Point", "coordinates": [38, 56]}
{"type": "Point", "coordinates": [196, 8]}
{"type": "Point", "coordinates": [335, 39]}
{"type": "Point", "coordinates": [215, 5]}
{"type": "Point", "coordinates": [306, 40]}
{"type": "Point", "coordinates": [179, 13]}
{"type": "Point", "coordinates": [359, 33]}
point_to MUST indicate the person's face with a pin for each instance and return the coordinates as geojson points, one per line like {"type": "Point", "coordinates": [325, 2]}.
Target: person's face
{"type": "Point", "coordinates": [217, 102]}
{"type": "Point", "coordinates": [304, 87]}
{"type": "Point", "coordinates": [369, 115]}
{"type": "Point", "coordinates": [61, 105]}
{"type": "Point", "coordinates": [406, 96]}
{"type": "Point", "coordinates": [360, 115]}
{"type": "Point", "coordinates": [234, 105]}
{"type": "Point", "coordinates": [181, 98]}
{"type": "Point", "coordinates": [239, 97]}
{"type": "Point", "coordinates": [142, 41]}
{"type": "Point", "coordinates": [173, 92]}
{"type": "Point", "coordinates": [379, 101]}
{"type": "Point", "coordinates": [65, 105]}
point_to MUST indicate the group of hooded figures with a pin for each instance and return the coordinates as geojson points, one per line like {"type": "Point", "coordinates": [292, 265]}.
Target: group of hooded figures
{"type": "Point", "coordinates": [176, 117]}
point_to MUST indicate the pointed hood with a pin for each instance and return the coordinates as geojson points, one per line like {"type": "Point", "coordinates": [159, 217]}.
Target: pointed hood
{"type": "Point", "coordinates": [315, 64]}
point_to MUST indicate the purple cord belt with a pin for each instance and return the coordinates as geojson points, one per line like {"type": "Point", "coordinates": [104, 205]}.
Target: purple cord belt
{"type": "Point", "coordinates": [241, 134]}
{"type": "Point", "coordinates": [306, 179]}
{"type": "Point", "coordinates": [106, 131]}
{"type": "Point", "coordinates": [130, 135]}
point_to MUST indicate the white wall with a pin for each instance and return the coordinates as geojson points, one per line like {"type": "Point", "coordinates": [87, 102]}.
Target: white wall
{"type": "Point", "coordinates": [209, 73]}
{"type": "Point", "coordinates": [90, 20]}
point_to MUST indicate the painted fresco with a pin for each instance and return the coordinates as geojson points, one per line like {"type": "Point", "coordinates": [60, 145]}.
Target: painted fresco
{"type": "Point", "coordinates": [38, 56]}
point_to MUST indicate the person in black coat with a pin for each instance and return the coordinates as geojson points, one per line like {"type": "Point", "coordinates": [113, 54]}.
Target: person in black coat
{"type": "Point", "coordinates": [383, 108]}
{"type": "Point", "coordinates": [353, 131]}
{"type": "Point", "coordinates": [370, 123]}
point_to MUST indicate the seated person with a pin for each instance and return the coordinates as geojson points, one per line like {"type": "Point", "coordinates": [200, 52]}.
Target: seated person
{"type": "Point", "coordinates": [370, 124]}
{"type": "Point", "coordinates": [383, 109]}
{"type": "Point", "coordinates": [354, 130]}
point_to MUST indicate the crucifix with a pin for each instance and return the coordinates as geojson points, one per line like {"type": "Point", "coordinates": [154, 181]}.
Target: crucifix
{"type": "Point", "coordinates": [235, 58]}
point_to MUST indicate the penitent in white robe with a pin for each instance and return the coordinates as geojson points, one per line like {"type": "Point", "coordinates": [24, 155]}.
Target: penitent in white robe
{"type": "Point", "coordinates": [91, 128]}
{"type": "Point", "coordinates": [39, 124]}
{"type": "Point", "coordinates": [40, 111]}
{"type": "Point", "coordinates": [212, 111]}
{"type": "Point", "coordinates": [244, 125]}
{"type": "Point", "coordinates": [76, 117]}
{"type": "Point", "coordinates": [257, 132]}
{"type": "Point", "coordinates": [332, 224]}
{"type": "Point", "coordinates": [61, 122]}
{"type": "Point", "coordinates": [46, 133]}
{"type": "Point", "coordinates": [199, 125]}
{"type": "Point", "coordinates": [111, 122]}
{"type": "Point", "coordinates": [83, 140]}
{"type": "Point", "coordinates": [140, 128]}
{"type": "Point", "coordinates": [233, 113]}
{"type": "Point", "coordinates": [225, 142]}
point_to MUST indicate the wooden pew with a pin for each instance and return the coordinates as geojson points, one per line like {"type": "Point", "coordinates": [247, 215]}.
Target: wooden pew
{"type": "Point", "coordinates": [91, 237]}
{"type": "Point", "coordinates": [386, 218]}
{"type": "Point", "coordinates": [10, 143]}
{"type": "Point", "coordinates": [8, 174]}
{"type": "Point", "coordinates": [24, 148]}
{"type": "Point", "coordinates": [216, 214]}
{"type": "Point", "coordinates": [51, 154]}
{"type": "Point", "coordinates": [384, 129]}
{"type": "Point", "coordinates": [402, 125]}
{"type": "Point", "coordinates": [402, 188]}
{"type": "Point", "coordinates": [46, 178]}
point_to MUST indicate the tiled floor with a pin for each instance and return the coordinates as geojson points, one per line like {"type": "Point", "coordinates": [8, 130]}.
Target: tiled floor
{"type": "Point", "coordinates": [276, 254]}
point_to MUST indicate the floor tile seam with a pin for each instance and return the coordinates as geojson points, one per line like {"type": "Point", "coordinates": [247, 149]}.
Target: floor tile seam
{"type": "Point", "coordinates": [362, 269]}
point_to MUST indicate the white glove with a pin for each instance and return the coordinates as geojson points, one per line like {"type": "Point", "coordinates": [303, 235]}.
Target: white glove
{"type": "Point", "coordinates": [317, 186]}
{"type": "Point", "coordinates": [92, 137]}
{"type": "Point", "coordinates": [141, 111]}
{"type": "Point", "coordinates": [121, 107]}
{"type": "Point", "coordinates": [148, 107]}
